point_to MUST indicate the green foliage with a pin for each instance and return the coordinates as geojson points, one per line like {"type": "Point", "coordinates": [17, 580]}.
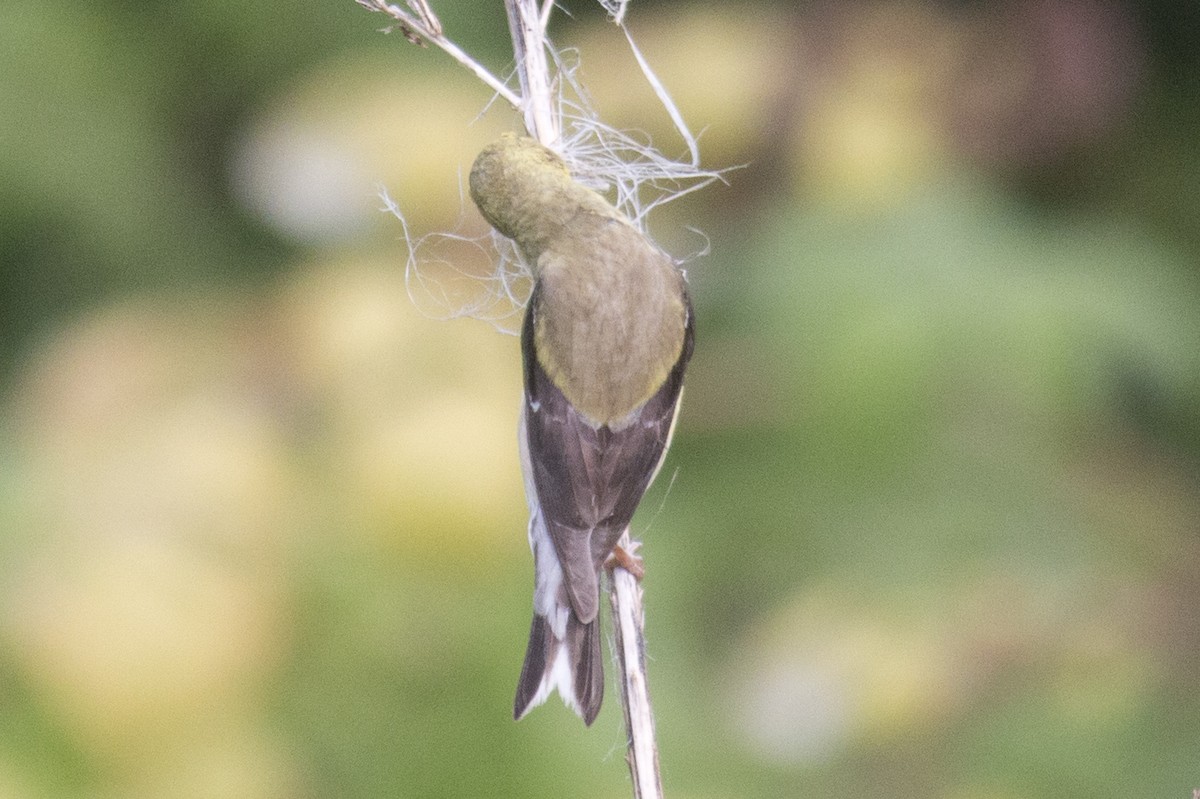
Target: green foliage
{"type": "Point", "coordinates": [927, 529]}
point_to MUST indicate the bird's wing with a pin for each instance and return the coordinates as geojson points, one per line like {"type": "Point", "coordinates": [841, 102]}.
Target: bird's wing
{"type": "Point", "coordinates": [590, 480]}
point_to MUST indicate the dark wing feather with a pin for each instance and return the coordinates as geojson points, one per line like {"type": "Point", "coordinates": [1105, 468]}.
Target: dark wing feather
{"type": "Point", "coordinates": [590, 480]}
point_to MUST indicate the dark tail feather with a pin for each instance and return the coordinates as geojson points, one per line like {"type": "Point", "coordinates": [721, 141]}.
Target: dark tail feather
{"type": "Point", "coordinates": [537, 657]}
{"type": "Point", "coordinates": [587, 665]}
{"type": "Point", "coordinates": [580, 683]}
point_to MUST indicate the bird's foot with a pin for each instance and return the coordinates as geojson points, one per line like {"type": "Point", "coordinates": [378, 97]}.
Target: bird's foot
{"type": "Point", "coordinates": [625, 559]}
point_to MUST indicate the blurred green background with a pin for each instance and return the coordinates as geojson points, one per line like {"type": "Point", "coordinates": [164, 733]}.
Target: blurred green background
{"type": "Point", "coordinates": [930, 526]}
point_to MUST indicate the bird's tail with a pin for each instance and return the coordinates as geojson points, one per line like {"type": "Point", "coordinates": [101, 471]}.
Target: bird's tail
{"type": "Point", "coordinates": [572, 665]}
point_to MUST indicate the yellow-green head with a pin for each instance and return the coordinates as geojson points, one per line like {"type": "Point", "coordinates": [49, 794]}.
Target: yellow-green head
{"type": "Point", "coordinates": [526, 192]}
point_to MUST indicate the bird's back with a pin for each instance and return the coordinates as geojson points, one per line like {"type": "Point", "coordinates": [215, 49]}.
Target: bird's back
{"type": "Point", "coordinates": [610, 323]}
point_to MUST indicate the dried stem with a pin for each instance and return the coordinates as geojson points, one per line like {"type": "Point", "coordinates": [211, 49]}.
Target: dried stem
{"type": "Point", "coordinates": [629, 622]}
{"type": "Point", "coordinates": [527, 26]}
{"type": "Point", "coordinates": [425, 24]}
{"type": "Point", "coordinates": [528, 29]}
{"type": "Point", "coordinates": [537, 102]}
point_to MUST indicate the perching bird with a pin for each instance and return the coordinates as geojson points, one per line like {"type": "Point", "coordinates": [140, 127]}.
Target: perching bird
{"type": "Point", "coordinates": [606, 338]}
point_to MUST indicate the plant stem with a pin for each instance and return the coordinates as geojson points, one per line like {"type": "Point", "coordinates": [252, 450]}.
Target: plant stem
{"type": "Point", "coordinates": [629, 621]}
{"type": "Point", "coordinates": [528, 29]}
{"type": "Point", "coordinates": [427, 25]}
{"type": "Point", "coordinates": [527, 25]}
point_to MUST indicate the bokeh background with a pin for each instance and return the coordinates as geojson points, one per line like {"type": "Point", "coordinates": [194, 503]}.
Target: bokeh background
{"type": "Point", "coordinates": [930, 524]}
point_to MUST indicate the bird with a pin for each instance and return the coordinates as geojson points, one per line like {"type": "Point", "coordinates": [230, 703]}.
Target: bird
{"type": "Point", "coordinates": [605, 340]}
